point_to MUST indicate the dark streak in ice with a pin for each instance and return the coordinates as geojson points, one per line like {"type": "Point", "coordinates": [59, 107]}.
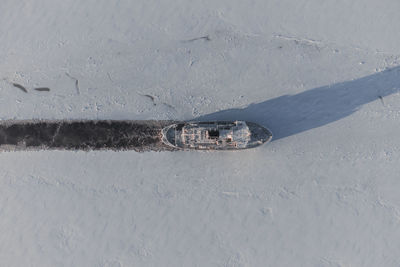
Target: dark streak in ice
{"type": "Point", "coordinates": [206, 38]}
{"type": "Point", "coordinates": [76, 83]}
{"type": "Point", "coordinates": [150, 97]}
{"type": "Point", "coordinates": [43, 89]}
{"type": "Point", "coordinates": [381, 98]}
{"type": "Point", "coordinates": [20, 87]}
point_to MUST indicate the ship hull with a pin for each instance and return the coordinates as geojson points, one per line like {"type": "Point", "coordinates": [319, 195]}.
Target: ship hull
{"type": "Point", "coordinates": [216, 135]}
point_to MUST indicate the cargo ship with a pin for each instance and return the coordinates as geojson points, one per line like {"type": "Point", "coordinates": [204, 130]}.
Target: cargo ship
{"type": "Point", "coordinates": [215, 135]}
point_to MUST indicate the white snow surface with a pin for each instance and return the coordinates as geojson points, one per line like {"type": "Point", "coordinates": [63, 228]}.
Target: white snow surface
{"type": "Point", "coordinates": [323, 76]}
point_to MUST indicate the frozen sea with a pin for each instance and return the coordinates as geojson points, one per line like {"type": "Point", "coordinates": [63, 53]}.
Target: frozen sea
{"type": "Point", "coordinates": [323, 76]}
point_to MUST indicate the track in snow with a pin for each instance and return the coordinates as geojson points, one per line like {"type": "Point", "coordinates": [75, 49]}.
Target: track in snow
{"type": "Point", "coordinates": [82, 135]}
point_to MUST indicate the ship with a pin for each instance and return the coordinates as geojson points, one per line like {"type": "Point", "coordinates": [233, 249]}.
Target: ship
{"type": "Point", "coordinates": [215, 135]}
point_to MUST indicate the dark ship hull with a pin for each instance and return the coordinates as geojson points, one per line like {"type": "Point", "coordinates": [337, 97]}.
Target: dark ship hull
{"type": "Point", "coordinates": [217, 135]}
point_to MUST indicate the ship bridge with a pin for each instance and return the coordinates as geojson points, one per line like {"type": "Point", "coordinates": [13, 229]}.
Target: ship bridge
{"type": "Point", "coordinates": [215, 134]}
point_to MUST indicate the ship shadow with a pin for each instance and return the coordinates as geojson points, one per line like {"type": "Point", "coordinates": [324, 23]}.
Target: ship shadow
{"type": "Point", "coordinates": [288, 115]}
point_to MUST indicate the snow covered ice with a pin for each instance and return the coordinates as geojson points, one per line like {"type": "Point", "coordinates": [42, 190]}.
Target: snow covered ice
{"type": "Point", "coordinates": [323, 76]}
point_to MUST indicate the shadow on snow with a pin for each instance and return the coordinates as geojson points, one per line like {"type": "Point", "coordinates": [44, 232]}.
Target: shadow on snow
{"type": "Point", "coordinates": [292, 114]}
